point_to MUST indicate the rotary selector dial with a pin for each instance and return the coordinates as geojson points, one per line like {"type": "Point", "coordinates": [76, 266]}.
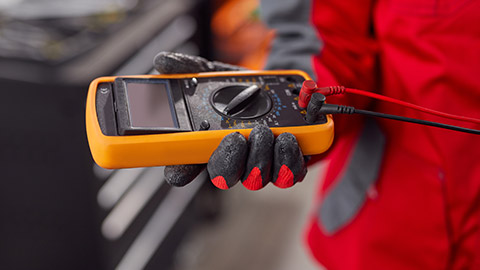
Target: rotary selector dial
{"type": "Point", "coordinates": [241, 101]}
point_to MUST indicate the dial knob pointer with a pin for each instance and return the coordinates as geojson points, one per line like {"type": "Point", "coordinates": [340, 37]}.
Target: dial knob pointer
{"type": "Point", "coordinates": [241, 100]}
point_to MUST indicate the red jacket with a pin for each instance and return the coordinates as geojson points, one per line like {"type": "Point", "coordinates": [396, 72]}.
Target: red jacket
{"type": "Point", "coordinates": [395, 195]}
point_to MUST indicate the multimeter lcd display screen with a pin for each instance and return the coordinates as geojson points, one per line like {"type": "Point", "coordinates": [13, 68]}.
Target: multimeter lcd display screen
{"type": "Point", "coordinates": [149, 105]}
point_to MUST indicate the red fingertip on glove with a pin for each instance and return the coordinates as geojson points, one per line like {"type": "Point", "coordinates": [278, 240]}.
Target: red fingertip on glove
{"type": "Point", "coordinates": [254, 180]}
{"type": "Point", "coordinates": [220, 182]}
{"type": "Point", "coordinates": [285, 178]}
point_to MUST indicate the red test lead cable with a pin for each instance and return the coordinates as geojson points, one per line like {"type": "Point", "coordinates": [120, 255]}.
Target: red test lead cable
{"type": "Point", "coordinates": [309, 87]}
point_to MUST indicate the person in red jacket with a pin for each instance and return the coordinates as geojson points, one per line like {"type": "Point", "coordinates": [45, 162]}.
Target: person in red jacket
{"type": "Point", "coordinates": [395, 195]}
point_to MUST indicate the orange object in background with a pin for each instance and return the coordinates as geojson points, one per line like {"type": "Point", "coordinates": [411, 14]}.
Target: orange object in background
{"type": "Point", "coordinates": [239, 36]}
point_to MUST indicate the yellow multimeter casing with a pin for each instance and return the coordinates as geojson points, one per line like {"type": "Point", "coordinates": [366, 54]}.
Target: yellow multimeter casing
{"type": "Point", "coordinates": [156, 120]}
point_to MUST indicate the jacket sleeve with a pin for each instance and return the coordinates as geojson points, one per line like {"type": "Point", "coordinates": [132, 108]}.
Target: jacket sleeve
{"type": "Point", "coordinates": [296, 40]}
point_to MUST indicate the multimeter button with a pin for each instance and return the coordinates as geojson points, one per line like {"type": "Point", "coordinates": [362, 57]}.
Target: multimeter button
{"type": "Point", "coordinates": [106, 109]}
{"type": "Point", "coordinates": [241, 102]}
{"type": "Point", "coordinates": [204, 125]}
{"type": "Point", "coordinates": [194, 81]}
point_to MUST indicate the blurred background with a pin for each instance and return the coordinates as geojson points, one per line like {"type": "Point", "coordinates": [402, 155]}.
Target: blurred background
{"type": "Point", "coordinates": [58, 210]}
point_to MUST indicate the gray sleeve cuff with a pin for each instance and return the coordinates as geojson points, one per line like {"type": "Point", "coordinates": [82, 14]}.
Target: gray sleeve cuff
{"type": "Point", "coordinates": [296, 40]}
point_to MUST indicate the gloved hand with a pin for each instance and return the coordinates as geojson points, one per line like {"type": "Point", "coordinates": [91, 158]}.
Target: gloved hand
{"type": "Point", "coordinates": [255, 162]}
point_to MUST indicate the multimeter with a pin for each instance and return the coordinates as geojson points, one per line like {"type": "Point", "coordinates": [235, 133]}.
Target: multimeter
{"type": "Point", "coordinates": [156, 120]}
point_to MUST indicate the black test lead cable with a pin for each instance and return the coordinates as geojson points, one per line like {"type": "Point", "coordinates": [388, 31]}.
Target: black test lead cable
{"type": "Point", "coordinates": [317, 107]}
{"type": "Point", "coordinates": [418, 121]}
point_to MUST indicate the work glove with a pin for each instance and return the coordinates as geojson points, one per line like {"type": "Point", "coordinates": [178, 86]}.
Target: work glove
{"type": "Point", "coordinates": [255, 162]}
